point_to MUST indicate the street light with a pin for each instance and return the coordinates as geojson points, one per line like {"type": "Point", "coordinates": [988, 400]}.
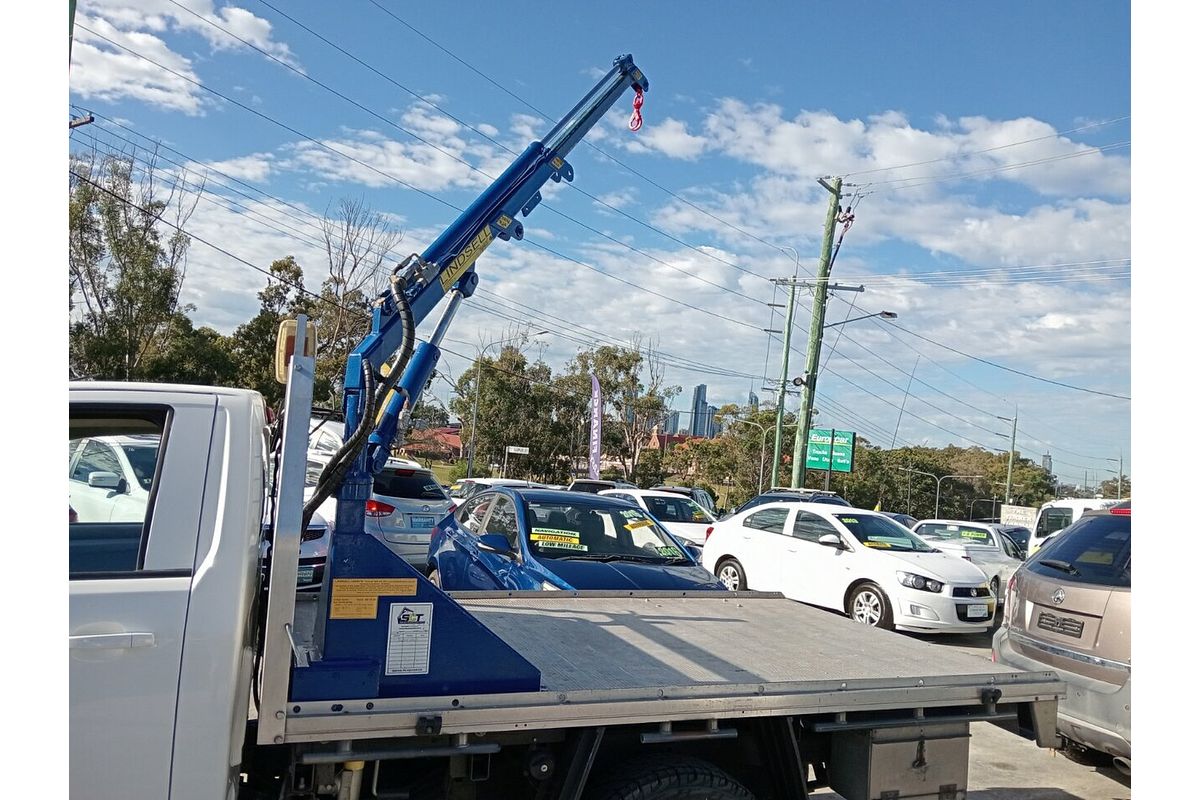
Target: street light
{"type": "Point", "coordinates": [880, 314]}
{"type": "Point", "coordinates": [937, 500]}
{"type": "Point", "coordinates": [478, 379]}
{"type": "Point", "coordinates": [1120, 473]}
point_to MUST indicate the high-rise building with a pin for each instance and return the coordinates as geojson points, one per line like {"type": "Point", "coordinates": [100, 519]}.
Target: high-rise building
{"type": "Point", "coordinates": [753, 403]}
{"type": "Point", "coordinates": [673, 422]}
{"type": "Point", "coordinates": [710, 422]}
{"type": "Point", "coordinates": [697, 423]}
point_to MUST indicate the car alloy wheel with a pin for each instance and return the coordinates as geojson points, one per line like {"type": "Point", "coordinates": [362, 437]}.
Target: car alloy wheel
{"type": "Point", "coordinates": [730, 574]}
{"type": "Point", "coordinates": [869, 606]}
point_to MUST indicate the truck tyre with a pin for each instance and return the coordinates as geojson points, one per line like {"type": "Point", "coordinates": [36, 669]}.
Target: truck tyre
{"type": "Point", "coordinates": [674, 777]}
{"type": "Point", "coordinates": [731, 573]}
{"type": "Point", "coordinates": [869, 605]}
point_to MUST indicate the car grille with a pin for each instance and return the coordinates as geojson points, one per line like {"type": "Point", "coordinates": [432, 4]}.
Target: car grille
{"type": "Point", "coordinates": [312, 534]}
{"type": "Point", "coordinates": [1056, 624]}
{"type": "Point", "coordinates": [971, 591]}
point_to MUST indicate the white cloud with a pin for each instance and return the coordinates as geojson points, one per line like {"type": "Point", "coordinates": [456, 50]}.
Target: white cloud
{"type": "Point", "coordinates": [255, 167]}
{"type": "Point", "coordinates": [669, 137]}
{"type": "Point", "coordinates": [105, 72]}
{"type": "Point", "coordinates": [373, 159]}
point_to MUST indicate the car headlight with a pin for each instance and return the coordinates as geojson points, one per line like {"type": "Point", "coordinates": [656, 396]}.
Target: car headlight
{"type": "Point", "coordinates": [914, 581]}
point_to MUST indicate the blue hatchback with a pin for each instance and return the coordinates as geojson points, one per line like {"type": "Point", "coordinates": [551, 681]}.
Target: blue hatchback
{"type": "Point", "coordinates": [530, 539]}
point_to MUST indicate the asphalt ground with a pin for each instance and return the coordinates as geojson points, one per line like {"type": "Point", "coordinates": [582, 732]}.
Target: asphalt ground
{"type": "Point", "coordinates": [1005, 766]}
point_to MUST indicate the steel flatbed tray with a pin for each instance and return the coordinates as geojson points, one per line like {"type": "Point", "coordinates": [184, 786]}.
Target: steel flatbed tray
{"type": "Point", "coordinates": [619, 658]}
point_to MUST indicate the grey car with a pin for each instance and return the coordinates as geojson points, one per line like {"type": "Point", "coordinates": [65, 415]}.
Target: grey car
{"type": "Point", "coordinates": [406, 502]}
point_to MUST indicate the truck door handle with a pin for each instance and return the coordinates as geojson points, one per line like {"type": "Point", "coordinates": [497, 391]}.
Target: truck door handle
{"type": "Point", "coordinates": [112, 641]}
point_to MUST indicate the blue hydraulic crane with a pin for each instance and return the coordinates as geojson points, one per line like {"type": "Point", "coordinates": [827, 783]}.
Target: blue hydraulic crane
{"type": "Point", "coordinates": [362, 574]}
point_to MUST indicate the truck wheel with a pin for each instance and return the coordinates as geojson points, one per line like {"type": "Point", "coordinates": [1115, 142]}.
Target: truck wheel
{"type": "Point", "coordinates": [674, 777]}
{"type": "Point", "coordinates": [732, 574]}
{"type": "Point", "coordinates": [869, 605]}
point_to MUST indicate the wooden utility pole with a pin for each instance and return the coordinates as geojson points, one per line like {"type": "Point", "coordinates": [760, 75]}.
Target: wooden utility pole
{"type": "Point", "coordinates": [811, 362]}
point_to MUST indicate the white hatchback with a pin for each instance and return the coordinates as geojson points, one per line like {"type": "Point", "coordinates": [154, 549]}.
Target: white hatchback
{"type": "Point", "coordinates": [681, 515]}
{"type": "Point", "coordinates": [858, 562]}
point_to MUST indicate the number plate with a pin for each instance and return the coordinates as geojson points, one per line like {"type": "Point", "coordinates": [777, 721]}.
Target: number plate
{"type": "Point", "coordinates": [421, 522]}
{"type": "Point", "coordinates": [304, 575]}
{"type": "Point", "coordinates": [977, 611]}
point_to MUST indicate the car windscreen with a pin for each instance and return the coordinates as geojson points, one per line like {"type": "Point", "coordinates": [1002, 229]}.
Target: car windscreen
{"type": "Point", "coordinates": [882, 533]}
{"type": "Point", "coordinates": [676, 509]}
{"type": "Point", "coordinates": [955, 534]}
{"type": "Point", "coordinates": [1094, 550]}
{"type": "Point", "coordinates": [1018, 535]}
{"type": "Point", "coordinates": [598, 532]}
{"type": "Point", "coordinates": [408, 484]}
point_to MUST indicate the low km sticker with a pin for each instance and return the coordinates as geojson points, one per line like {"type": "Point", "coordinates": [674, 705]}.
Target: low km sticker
{"type": "Point", "coordinates": [410, 631]}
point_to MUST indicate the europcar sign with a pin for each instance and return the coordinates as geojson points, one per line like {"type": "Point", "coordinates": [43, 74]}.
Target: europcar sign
{"type": "Point", "coordinates": [819, 449]}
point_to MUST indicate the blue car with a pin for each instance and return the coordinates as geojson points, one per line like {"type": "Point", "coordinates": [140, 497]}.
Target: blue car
{"type": "Point", "coordinates": [531, 539]}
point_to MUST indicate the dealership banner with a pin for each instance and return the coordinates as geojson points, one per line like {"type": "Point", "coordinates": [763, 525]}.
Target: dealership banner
{"type": "Point", "coordinates": [597, 416]}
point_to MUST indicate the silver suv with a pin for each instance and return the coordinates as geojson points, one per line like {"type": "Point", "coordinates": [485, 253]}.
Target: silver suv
{"type": "Point", "coordinates": [1068, 610]}
{"type": "Point", "coordinates": [406, 502]}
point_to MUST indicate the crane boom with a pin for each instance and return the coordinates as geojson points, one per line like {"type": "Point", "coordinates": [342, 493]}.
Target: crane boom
{"type": "Point", "coordinates": [447, 266]}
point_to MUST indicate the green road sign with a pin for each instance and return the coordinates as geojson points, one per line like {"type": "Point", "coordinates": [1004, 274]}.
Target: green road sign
{"type": "Point", "coordinates": [843, 450]}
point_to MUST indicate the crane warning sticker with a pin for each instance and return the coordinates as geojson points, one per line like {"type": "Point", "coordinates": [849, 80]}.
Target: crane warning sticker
{"type": "Point", "coordinates": [410, 631]}
{"type": "Point", "coordinates": [358, 598]}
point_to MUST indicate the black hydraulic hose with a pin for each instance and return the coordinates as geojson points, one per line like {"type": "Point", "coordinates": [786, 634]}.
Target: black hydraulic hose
{"type": "Point", "coordinates": [335, 471]}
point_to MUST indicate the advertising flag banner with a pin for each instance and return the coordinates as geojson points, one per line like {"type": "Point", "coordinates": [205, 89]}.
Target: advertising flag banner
{"type": "Point", "coordinates": [597, 416]}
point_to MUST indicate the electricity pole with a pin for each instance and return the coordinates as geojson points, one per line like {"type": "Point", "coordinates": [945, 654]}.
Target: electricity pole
{"type": "Point", "coordinates": [815, 328]}
{"type": "Point", "coordinates": [1012, 452]}
{"type": "Point", "coordinates": [787, 348]}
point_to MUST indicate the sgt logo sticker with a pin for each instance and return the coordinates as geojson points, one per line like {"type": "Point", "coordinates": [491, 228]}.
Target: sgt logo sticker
{"type": "Point", "coordinates": [410, 631]}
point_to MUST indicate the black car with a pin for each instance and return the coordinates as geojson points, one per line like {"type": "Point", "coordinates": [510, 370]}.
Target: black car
{"type": "Point", "coordinates": [792, 496]}
{"type": "Point", "coordinates": [701, 496]}
{"type": "Point", "coordinates": [904, 519]}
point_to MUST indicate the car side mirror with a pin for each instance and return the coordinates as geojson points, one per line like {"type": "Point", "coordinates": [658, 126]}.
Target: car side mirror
{"type": "Point", "coordinates": [496, 543]}
{"type": "Point", "coordinates": [831, 540]}
{"type": "Point", "coordinates": [104, 480]}
{"type": "Point", "coordinates": [694, 551]}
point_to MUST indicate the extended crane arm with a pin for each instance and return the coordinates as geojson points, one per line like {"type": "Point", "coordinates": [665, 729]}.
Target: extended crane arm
{"type": "Point", "coordinates": [447, 265]}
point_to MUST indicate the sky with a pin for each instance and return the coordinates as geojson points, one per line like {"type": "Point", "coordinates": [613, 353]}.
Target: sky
{"type": "Point", "coordinates": [984, 148]}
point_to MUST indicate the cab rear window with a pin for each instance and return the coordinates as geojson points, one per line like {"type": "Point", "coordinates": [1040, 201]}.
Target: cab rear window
{"type": "Point", "coordinates": [1095, 550]}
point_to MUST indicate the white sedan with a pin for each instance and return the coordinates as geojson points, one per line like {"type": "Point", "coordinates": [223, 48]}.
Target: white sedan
{"type": "Point", "coordinates": [850, 560]}
{"type": "Point", "coordinates": [681, 515]}
{"type": "Point", "coordinates": [981, 543]}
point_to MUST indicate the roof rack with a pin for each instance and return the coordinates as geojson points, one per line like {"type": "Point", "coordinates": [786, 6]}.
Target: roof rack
{"type": "Point", "coordinates": [801, 490]}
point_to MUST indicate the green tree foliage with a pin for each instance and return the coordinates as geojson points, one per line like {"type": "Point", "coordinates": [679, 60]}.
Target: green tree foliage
{"type": "Point", "coordinates": [192, 355]}
{"type": "Point", "coordinates": [126, 266]}
{"type": "Point", "coordinates": [253, 343]}
{"type": "Point", "coordinates": [636, 397]}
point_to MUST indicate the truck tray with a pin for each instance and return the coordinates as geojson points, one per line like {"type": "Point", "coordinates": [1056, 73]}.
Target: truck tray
{"type": "Point", "coordinates": [611, 658]}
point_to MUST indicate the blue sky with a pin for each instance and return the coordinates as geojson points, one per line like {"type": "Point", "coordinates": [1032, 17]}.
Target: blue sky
{"type": "Point", "coordinates": [985, 147]}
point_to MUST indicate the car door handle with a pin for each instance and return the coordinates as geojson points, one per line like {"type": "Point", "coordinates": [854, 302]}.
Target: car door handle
{"type": "Point", "coordinates": [112, 641]}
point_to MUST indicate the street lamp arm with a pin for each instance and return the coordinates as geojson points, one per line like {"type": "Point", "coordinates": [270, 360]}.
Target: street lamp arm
{"type": "Point", "coordinates": [882, 314]}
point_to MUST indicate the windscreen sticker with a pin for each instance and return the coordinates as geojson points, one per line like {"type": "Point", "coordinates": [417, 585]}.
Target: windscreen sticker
{"type": "Point", "coordinates": [1102, 557]}
{"type": "Point", "coordinates": [639, 523]}
{"type": "Point", "coordinates": [561, 544]}
{"type": "Point", "coordinates": [430, 487]}
{"type": "Point", "coordinates": [669, 551]}
{"type": "Point", "coordinates": [849, 520]}
{"type": "Point", "coordinates": [553, 535]}
{"type": "Point", "coordinates": [631, 514]}
{"type": "Point", "coordinates": [974, 534]}
{"type": "Point", "coordinates": [410, 631]}
{"type": "Point", "coordinates": [951, 527]}
{"type": "Point", "coordinates": [881, 545]}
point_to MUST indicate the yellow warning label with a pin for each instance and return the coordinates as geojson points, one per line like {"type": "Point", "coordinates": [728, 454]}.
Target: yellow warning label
{"type": "Point", "coordinates": [640, 523]}
{"type": "Point", "coordinates": [557, 162]}
{"type": "Point", "coordinates": [357, 598]}
{"type": "Point", "coordinates": [504, 221]}
{"type": "Point", "coordinates": [463, 261]}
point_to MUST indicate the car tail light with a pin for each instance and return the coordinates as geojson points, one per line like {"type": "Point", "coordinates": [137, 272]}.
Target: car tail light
{"type": "Point", "coordinates": [708, 532]}
{"type": "Point", "coordinates": [378, 509]}
{"type": "Point", "coordinates": [1124, 512]}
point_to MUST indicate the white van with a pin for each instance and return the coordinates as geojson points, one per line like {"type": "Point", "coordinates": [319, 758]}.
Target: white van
{"type": "Point", "coordinates": [1055, 515]}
